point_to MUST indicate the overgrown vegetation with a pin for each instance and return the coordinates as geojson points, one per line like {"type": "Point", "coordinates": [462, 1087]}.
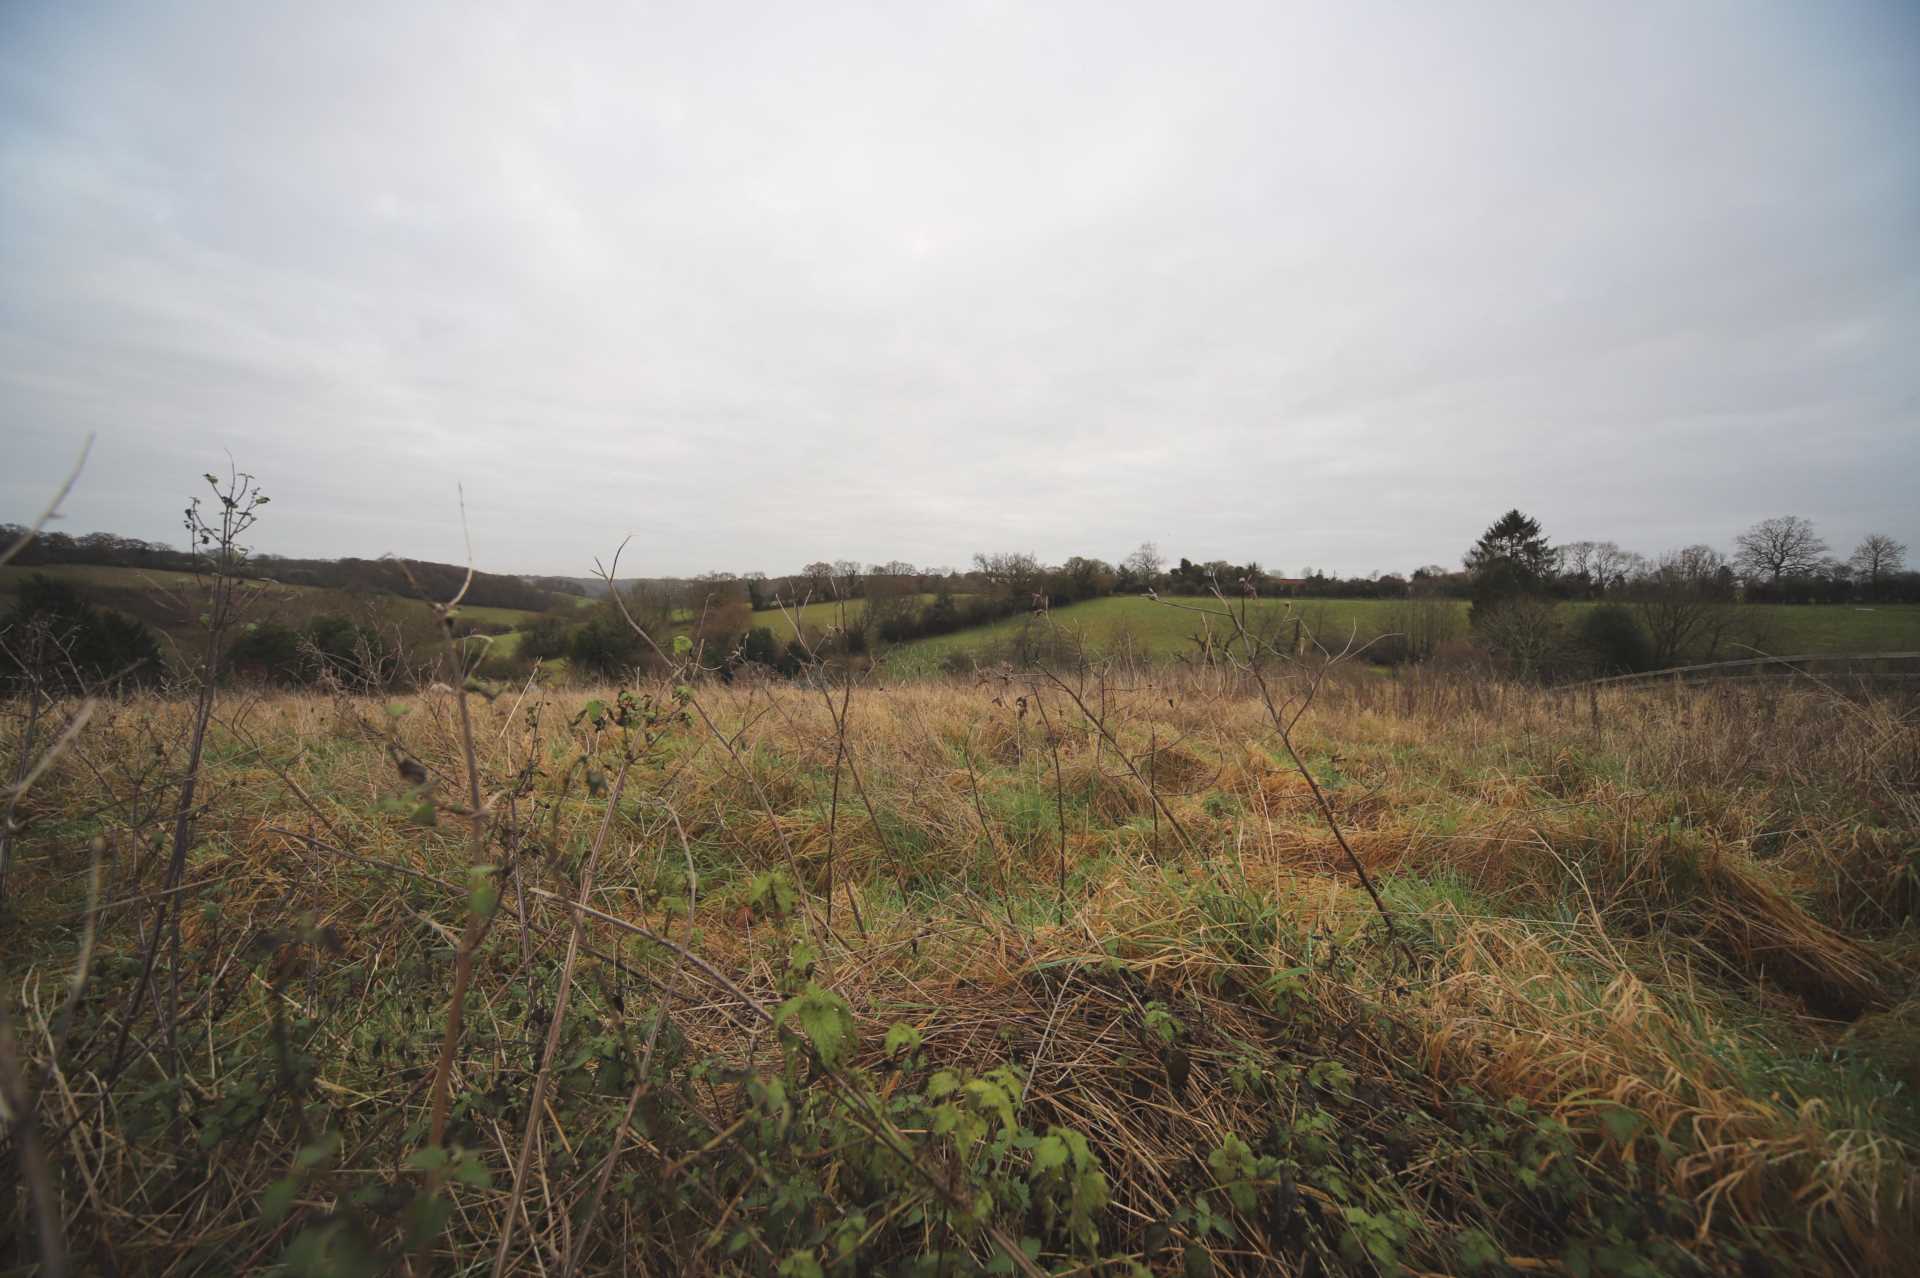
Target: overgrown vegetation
{"type": "Point", "coordinates": [744, 962]}
{"type": "Point", "coordinates": [1034, 974]}
{"type": "Point", "coordinates": [54, 638]}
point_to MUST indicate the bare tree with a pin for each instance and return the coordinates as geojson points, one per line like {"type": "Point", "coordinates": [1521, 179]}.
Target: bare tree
{"type": "Point", "coordinates": [1684, 601]}
{"type": "Point", "coordinates": [1011, 573]}
{"type": "Point", "coordinates": [891, 600]}
{"type": "Point", "coordinates": [1877, 556]}
{"type": "Point", "coordinates": [1602, 565]}
{"type": "Point", "coordinates": [1420, 623]}
{"type": "Point", "coordinates": [1783, 546]}
{"type": "Point", "coordinates": [819, 576]}
{"type": "Point", "coordinates": [846, 578]}
{"type": "Point", "coordinates": [1145, 562]}
{"type": "Point", "coordinates": [1084, 578]}
{"type": "Point", "coordinates": [1527, 631]}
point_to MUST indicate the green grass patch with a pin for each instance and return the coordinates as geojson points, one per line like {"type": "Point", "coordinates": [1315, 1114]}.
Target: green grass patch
{"type": "Point", "coordinates": [1164, 629]}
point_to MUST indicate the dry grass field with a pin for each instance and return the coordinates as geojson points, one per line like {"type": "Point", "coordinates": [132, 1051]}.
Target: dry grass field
{"type": "Point", "coordinates": [1028, 975]}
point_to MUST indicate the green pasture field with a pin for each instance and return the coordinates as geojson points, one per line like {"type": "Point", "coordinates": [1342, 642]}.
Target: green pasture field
{"type": "Point", "coordinates": [1165, 628]}
{"type": "Point", "coordinates": [515, 617]}
{"type": "Point", "coordinates": [820, 617]}
{"type": "Point", "coordinates": [167, 601]}
{"type": "Point", "coordinates": [98, 577]}
{"type": "Point", "coordinates": [1156, 629]}
{"type": "Point", "coordinates": [144, 592]}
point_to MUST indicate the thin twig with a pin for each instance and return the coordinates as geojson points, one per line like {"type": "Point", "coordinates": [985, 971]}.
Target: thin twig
{"type": "Point", "coordinates": [52, 508]}
{"type": "Point", "coordinates": [561, 998]}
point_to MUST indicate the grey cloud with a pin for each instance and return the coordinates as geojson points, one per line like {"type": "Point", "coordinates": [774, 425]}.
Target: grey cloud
{"type": "Point", "coordinates": [1314, 284]}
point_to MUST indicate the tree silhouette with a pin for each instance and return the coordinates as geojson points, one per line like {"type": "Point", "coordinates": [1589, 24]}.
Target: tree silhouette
{"type": "Point", "coordinates": [1784, 546]}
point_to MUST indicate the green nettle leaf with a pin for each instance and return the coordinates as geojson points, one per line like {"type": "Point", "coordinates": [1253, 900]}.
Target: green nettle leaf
{"type": "Point", "coordinates": [278, 1200]}
{"type": "Point", "coordinates": [472, 1172]}
{"type": "Point", "coordinates": [1477, 1251]}
{"type": "Point", "coordinates": [1162, 1024]}
{"type": "Point", "coordinates": [901, 1038]}
{"type": "Point", "coordinates": [1331, 1076]}
{"type": "Point", "coordinates": [801, 1264]}
{"type": "Point", "coordinates": [1288, 984]}
{"type": "Point", "coordinates": [991, 1095]}
{"type": "Point", "coordinates": [313, 1155]}
{"type": "Point", "coordinates": [773, 894]}
{"type": "Point", "coordinates": [426, 1216]}
{"type": "Point", "coordinates": [483, 891]}
{"type": "Point", "coordinates": [1233, 1165]}
{"type": "Point", "coordinates": [432, 1158]}
{"type": "Point", "coordinates": [1622, 1124]}
{"type": "Point", "coordinates": [770, 1097]}
{"type": "Point", "coordinates": [1069, 1186]}
{"type": "Point", "coordinates": [824, 1019]}
{"type": "Point", "coordinates": [1048, 1155]}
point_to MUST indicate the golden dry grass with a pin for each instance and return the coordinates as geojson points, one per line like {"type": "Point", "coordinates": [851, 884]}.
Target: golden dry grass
{"type": "Point", "coordinates": [1694, 908]}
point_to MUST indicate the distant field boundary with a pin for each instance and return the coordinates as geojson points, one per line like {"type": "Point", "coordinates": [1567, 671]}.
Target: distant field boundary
{"type": "Point", "coordinates": [1849, 658]}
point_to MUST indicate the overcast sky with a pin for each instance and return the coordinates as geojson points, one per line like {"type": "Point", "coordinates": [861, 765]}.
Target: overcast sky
{"type": "Point", "coordinates": [1328, 284]}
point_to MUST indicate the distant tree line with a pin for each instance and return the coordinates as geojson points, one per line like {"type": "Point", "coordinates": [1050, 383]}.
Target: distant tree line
{"type": "Point", "coordinates": [1661, 611]}
{"type": "Point", "coordinates": [1780, 560]}
{"type": "Point", "coordinates": [432, 581]}
{"type": "Point", "coordinates": [1655, 610]}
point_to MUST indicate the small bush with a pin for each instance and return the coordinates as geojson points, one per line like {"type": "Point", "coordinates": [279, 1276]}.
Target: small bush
{"type": "Point", "coordinates": [328, 646]}
{"type": "Point", "coordinates": [1614, 642]}
{"type": "Point", "coordinates": [68, 643]}
{"type": "Point", "coordinates": [606, 646]}
{"type": "Point", "coordinates": [268, 652]}
{"type": "Point", "coordinates": [547, 638]}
